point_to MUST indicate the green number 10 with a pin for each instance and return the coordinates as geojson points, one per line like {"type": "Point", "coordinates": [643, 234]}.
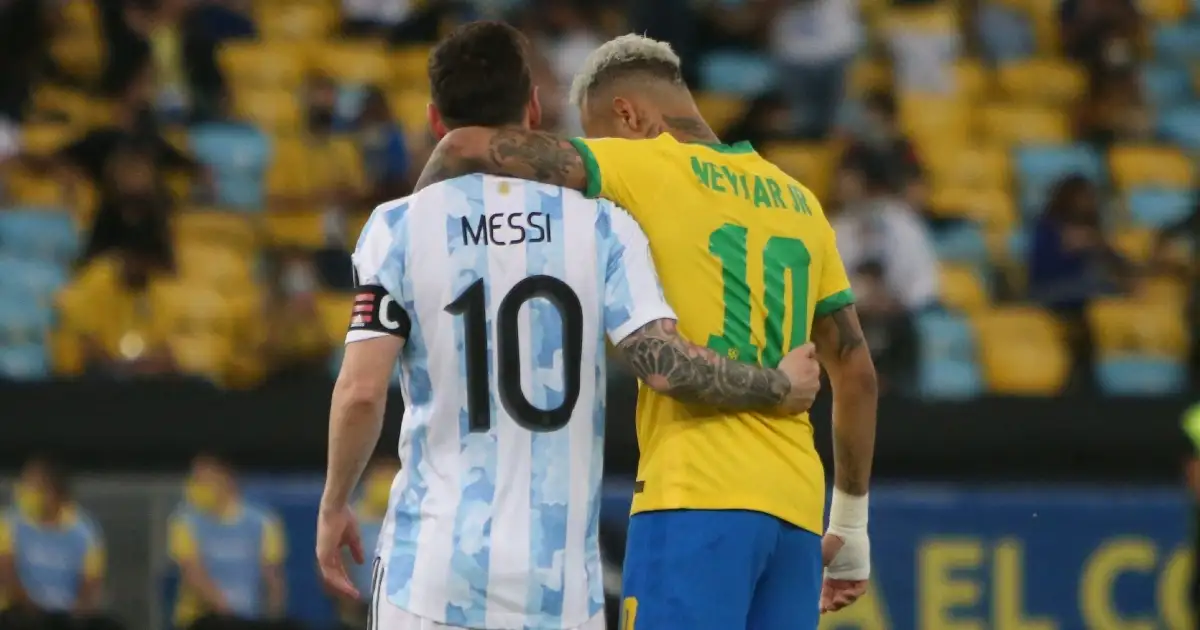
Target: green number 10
{"type": "Point", "coordinates": [780, 255]}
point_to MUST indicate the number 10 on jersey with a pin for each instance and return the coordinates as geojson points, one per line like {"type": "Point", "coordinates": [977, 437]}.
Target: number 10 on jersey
{"type": "Point", "coordinates": [780, 256]}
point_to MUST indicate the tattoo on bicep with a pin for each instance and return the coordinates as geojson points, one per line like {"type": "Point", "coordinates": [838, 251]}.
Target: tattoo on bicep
{"type": "Point", "coordinates": [838, 333]}
{"type": "Point", "coordinates": [668, 363]}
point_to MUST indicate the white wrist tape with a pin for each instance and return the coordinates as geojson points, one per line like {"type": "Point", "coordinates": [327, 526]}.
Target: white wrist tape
{"type": "Point", "coordinates": [848, 521]}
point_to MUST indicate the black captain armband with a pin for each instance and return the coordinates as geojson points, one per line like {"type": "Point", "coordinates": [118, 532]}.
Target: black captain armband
{"type": "Point", "coordinates": [377, 311]}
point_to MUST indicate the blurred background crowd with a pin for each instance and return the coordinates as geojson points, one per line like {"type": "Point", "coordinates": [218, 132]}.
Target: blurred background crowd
{"type": "Point", "coordinates": [1013, 184]}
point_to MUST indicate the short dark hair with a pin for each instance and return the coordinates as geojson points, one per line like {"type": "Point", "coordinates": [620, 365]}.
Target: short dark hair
{"type": "Point", "coordinates": [480, 76]}
{"type": "Point", "coordinates": [54, 472]}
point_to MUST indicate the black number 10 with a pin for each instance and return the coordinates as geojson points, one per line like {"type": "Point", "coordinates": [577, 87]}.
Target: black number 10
{"type": "Point", "coordinates": [472, 306]}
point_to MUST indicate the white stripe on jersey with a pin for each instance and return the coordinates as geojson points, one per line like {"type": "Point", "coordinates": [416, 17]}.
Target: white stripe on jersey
{"type": "Point", "coordinates": [498, 528]}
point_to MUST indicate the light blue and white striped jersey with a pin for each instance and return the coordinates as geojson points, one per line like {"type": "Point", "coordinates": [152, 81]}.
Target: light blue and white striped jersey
{"type": "Point", "coordinates": [510, 287]}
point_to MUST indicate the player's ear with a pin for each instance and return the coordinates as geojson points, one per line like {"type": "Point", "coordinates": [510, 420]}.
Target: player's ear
{"type": "Point", "coordinates": [626, 113]}
{"type": "Point", "coordinates": [533, 113]}
{"type": "Point", "coordinates": [436, 125]}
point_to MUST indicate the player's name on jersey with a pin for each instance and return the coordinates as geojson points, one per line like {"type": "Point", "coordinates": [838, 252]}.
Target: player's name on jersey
{"type": "Point", "coordinates": [763, 192]}
{"type": "Point", "coordinates": [508, 228]}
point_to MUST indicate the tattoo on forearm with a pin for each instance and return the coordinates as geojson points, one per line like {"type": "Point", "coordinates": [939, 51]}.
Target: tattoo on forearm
{"type": "Point", "coordinates": [838, 333]}
{"type": "Point", "coordinates": [692, 374]}
{"type": "Point", "coordinates": [533, 155]}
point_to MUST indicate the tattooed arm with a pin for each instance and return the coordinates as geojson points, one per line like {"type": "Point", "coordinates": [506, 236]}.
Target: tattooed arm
{"type": "Point", "coordinates": [534, 155]}
{"type": "Point", "coordinates": [845, 357]}
{"type": "Point", "coordinates": [671, 365]}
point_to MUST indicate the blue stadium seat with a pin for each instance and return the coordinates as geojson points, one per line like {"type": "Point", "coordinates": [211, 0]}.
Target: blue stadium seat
{"type": "Point", "coordinates": [1157, 208]}
{"type": "Point", "coordinates": [238, 155]}
{"type": "Point", "coordinates": [45, 234]}
{"type": "Point", "coordinates": [1177, 42]}
{"type": "Point", "coordinates": [737, 73]}
{"type": "Point", "coordinates": [25, 362]}
{"type": "Point", "coordinates": [1181, 125]}
{"type": "Point", "coordinates": [948, 367]}
{"type": "Point", "coordinates": [1166, 84]}
{"type": "Point", "coordinates": [1040, 167]}
{"type": "Point", "coordinates": [1018, 244]}
{"type": "Point", "coordinates": [30, 280]}
{"type": "Point", "coordinates": [1137, 375]}
{"type": "Point", "coordinates": [963, 243]}
{"type": "Point", "coordinates": [24, 322]}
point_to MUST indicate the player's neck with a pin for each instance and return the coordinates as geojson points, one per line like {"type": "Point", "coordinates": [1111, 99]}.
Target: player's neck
{"type": "Point", "coordinates": [689, 127]}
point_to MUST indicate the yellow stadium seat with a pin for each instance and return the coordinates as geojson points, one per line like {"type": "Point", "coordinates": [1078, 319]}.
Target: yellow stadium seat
{"type": "Point", "coordinates": [410, 67]}
{"type": "Point", "coordinates": [869, 74]}
{"type": "Point", "coordinates": [276, 110]}
{"type": "Point", "coordinates": [720, 110]}
{"type": "Point", "coordinates": [962, 289]}
{"type": "Point", "coordinates": [46, 138]}
{"type": "Point", "coordinates": [1022, 351]}
{"type": "Point", "coordinates": [300, 167]}
{"type": "Point", "coordinates": [1135, 244]}
{"type": "Point", "coordinates": [931, 119]}
{"type": "Point", "coordinates": [259, 65]}
{"type": "Point", "coordinates": [204, 355]}
{"type": "Point", "coordinates": [226, 229]}
{"type": "Point", "coordinates": [1028, 124]}
{"type": "Point", "coordinates": [1164, 290]}
{"type": "Point", "coordinates": [295, 229]}
{"type": "Point", "coordinates": [991, 207]}
{"type": "Point", "coordinates": [1122, 326]}
{"type": "Point", "coordinates": [968, 166]}
{"type": "Point", "coordinates": [1156, 166]}
{"type": "Point", "coordinates": [1167, 11]}
{"type": "Point", "coordinates": [1042, 81]}
{"type": "Point", "coordinates": [214, 266]}
{"type": "Point", "coordinates": [83, 57]}
{"type": "Point", "coordinates": [410, 107]}
{"type": "Point", "coordinates": [55, 102]}
{"type": "Point", "coordinates": [334, 309]}
{"type": "Point", "coordinates": [810, 164]}
{"type": "Point", "coordinates": [295, 20]}
{"type": "Point", "coordinates": [354, 64]}
{"type": "Point", "coordinates": [355, 222]}
{"type": "Point", "coordinates": [936, 19]}
{"type": "Point", "coordinates": [971, 79]}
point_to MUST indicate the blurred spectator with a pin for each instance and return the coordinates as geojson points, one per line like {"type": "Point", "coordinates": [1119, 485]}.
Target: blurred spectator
{"type": "Point", "coordinates": [229, 554]}
{"type": "Point", "coordinates": [923, 56]}
{"type": "Point", "coordinates": [373, 17]}
{"type": "Point", "coordinates": [332, 183]}
{"type": "Point", "coordinates": [890, 260]}
{"type": "Point", "coordinates": [1101, 34]}
{"type": "Point", "coordinates": [815, 41]}
{"type": "Point", "coordinates": [881, 138]}
{"type": "Point", "coordinates": [111, 318]}
{"type": "Point", "coordinates": [1115, 110]}
{"type": "Point", "coordinates": [371, 509]}
{"type": "Point", "coordinates": [1188, 230]}
{"type": "Point", "coordinates": [384, 149]}
{"type": "Point", "coordinates": [424, 21]}
{"type": "Point", "coordinates": [224, 19]}
{"type": "Point", "coordinates": [25, 30]}
{"type": "Point", "coordinates": [671, 21]}
{"type": "Point", "coordinates": [767, 118]}
{"type": "Point", "coordinates": [183, 57]}
{"type": "Point", "coordinates": [1071, 262]}
{"type": "Point", "coordinates": [296, 339]}
{"type": "Point", "coordinates": [1005, 33]}
{"type": "Point", "coordinates": [52, 560]}
{"type": "Point", "coordinates": [569, 35]}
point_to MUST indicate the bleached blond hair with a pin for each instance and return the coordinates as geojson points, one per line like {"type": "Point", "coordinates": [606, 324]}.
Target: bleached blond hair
{"type": "Point", "coordinates": [626, 52]}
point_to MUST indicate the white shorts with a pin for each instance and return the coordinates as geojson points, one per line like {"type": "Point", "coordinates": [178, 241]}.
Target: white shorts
{"type": "Point", "coordinates": [384, 615]}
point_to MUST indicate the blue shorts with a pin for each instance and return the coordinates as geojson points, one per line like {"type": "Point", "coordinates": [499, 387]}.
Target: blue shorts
{"type": "Point", "coordinates": [720, 570]}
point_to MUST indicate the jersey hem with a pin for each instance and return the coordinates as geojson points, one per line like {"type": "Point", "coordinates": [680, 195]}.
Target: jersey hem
{"type": "Point", "coordinates": [737, 502]}
{"type": "Point", "coordinates": [638, 320]}
{"type": "Point", "coordinates": [362, 335]}
{"type": "Point", "coordinates": [590, 167]}
{"type": "Point", "coordinates": [834, 302]}
{"type": "Point", "coordinates": [498, 621]}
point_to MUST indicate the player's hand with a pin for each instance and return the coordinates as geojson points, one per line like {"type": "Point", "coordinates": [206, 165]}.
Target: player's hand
{"type": "Point", "coordinates": [804, 373]}
{"type": "Point", "coordinates": [337, 528]}
{"type": "Point", "coordinates": [847, 559]}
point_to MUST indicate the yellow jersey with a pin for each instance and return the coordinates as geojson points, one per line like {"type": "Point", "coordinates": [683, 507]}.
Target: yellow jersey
{"type": "Point", "coordinates": [747, 259]}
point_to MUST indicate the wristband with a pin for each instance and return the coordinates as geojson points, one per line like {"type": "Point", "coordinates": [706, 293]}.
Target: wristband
{"type": "Point", "coordinates": [847, 512]}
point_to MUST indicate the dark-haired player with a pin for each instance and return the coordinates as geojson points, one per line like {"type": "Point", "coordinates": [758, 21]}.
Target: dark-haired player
{"type": "Point", "coordinates": [726, 532]}
{"type": "Point", "coordinates": [496, 295]}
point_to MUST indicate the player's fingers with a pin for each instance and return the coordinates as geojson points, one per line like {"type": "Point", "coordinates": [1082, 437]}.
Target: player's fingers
{"type": "Point", "coordinates": [333, 574]}
{"type": "Point", "coordinates": [356, 550]}
{"type": "Point", "coordinates": [809, 350]}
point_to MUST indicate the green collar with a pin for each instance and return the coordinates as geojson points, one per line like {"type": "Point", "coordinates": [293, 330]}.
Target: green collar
{"type": "Point", "coordinates": [735, 148]}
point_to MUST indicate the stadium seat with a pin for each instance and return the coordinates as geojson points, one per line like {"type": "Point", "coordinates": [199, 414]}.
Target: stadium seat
{"type": "Point", "coordinates": [301, 167]}
{"type": "Point", "coordinates": [1140, 376]}
{"type": "Point", "coordinates": [302, 21]}
{"type": "Point", "coordinates": [867, 75]}
{"type": "Point", "coordinates": [334, 309]}
{"type": "Point", "coordinates": [262, 65]}
{"type": "Point", "coordinates": [1165, 85]}
{"type": "Point", "coordinates": [1133, 243]}
{"type": "Point", "coordinates": [932, 120]}
{"type": "Point", "coordinates": [304, 229]}
{"type": "Point", "coordinates": [1022, 351]}
{"type": "Point", "coordinates": [1040, 167]}
{"type": "Point", "coordinates": [410, 67]}
{"type": "Point", "coordinates": [810, 164]}
{"type": "Point", "coordinates": [410, 107]}
{"type": "Point", "coordinates": [1023, 124]}
{"type": "Point", "coordinates": [1177, 42]}
{"type": "Point", "coordinates": [276, 110]}
{"type": "Point", "coordinates": [238, 155]}
{"type": "Point", "coordinates": [971, 79]}
{"type": "Point", "coordinates": [45, 138]}
{"type": "Point", "coordinates": [991, 208]}
{"type": "Point", "coordinates": [41, 234]}
{"type": "Point", "coordinates": [962, 289]}
{"type": "Point", "coordinates": [1042, 82]}
{"type": "Point", "coordinates": [968, 167]}
{"type": "Point", "coordinates": [203, 355]}
{"type": "Point", "coordinates": [30, 280]}
{"type": "Point", "coordinates": [737, 73]}
{"type": "Point", "coordinates": [24, 322]}
{"type": "Point", "coordinates": [355, 63]}
{"type": "Point", "coordinates": [1155, 208]}
{"type": "Point", "coordinates": [1163, 11]}
{"type": "Point", "coordinates": [214, 227]}
{"type": "Point", "coordinates": [947, 367]}
{"type": "Point", "coordinates": [218, 267]}
{"type": "Point", "coordinates": [1181, 125]}
{"type": "Point", "coordinates": [1150, 167]}
{"type": "Point", "coordinates": [1122, 326]}
{"type": "Point", "coordinates": [720, 110]}
{"type": "Point", "coordinates": [24, 362]}
{"type": "Point", "coordinates": [963, 243]}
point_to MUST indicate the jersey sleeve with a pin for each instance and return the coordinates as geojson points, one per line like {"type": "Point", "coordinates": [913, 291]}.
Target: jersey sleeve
{"type": "Point", "coordinates": [633, 296]}
{"type": "Point", "coordinates": [181, 541]}
{"type": "Point", "coordinates": [609, 167]}
{"type": "Point", "coordinates": [833, 286]}
{"type": "Point", "coordinates": [274, 545]}
{"type": "Point", "coordinates": [376, 311]}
